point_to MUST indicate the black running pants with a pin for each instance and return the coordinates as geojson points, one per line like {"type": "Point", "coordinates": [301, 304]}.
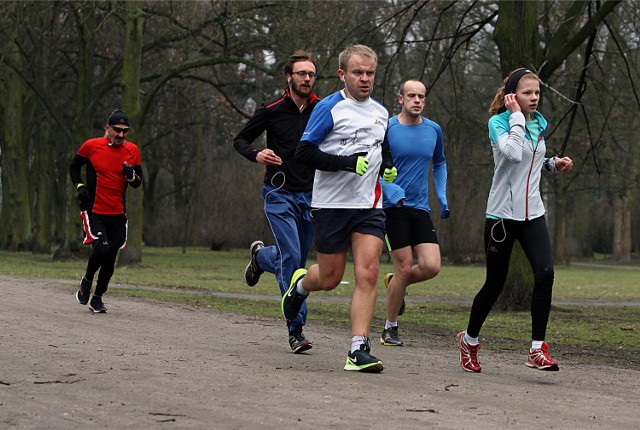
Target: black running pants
{"type": "Point", "coordinates": [499, 237]}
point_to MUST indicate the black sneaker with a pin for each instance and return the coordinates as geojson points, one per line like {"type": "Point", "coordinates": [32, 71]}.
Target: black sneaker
{"type": "Point", "coordinates": [390, 337]}
{"type": "Point", "coordinates": [299, 343]}
{"type": "Point", "coordinates": [292, 300]}
{"type": "Point", "coordinates": [362, 361]}
{"type": "Point", "coordinates": [387, 281]}
{"type": "Point", "coordinates": [252, 272]}
{"type": "Point", "coordinates": [84, 291]}
{"type": "Point", "coordinates": [96, 305]}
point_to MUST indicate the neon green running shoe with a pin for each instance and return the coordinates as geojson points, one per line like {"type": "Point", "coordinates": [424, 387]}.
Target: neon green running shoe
{"type": "Point", "coordinates": [292, 300]}
{"type": "Point", "coordinates": [387, 281]}
{"type": "Point", "coordinates": [362, 361]}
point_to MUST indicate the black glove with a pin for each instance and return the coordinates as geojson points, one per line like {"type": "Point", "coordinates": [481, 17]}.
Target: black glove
{"type": "Point", "coordinates": [84, 196]}
{"type": "Point", "coordinates": [129, 173]}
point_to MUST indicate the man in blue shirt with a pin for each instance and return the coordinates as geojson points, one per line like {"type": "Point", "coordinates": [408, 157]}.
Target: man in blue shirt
{"type": "Point", "coordinates": [416, 143]}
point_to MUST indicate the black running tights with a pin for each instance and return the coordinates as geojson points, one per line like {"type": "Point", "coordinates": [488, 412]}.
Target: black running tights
{"type": "Point", "coordinates": [499, 237]}
{"type": "Point", "coordinates": [111, 233]}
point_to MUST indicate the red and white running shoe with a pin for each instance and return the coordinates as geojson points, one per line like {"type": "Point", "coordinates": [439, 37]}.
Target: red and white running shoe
{"type": "Point", "coordinates": [468, 355]}
{"type": "Point", "coordinates": [540, 359]}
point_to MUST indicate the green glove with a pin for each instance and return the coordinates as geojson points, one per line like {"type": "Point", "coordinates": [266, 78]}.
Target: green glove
{"type": "Point", "coordinates": [390, 174]}
{"type": "Point", "coordinates": [356, 163]}
{"type": "Point", "coordinates": [362, 164]}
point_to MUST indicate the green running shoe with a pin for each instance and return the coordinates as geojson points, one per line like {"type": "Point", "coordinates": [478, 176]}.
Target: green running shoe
{"type": "Point", "coordinates": [362, 361]}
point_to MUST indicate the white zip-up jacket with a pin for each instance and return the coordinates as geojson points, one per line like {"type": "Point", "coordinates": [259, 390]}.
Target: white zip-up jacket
{"type": "Point", "coordinates": [515, 190]}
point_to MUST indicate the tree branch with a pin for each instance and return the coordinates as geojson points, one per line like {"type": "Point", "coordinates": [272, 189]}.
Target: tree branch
{"type": "Point", "coordinates": [559, 52]}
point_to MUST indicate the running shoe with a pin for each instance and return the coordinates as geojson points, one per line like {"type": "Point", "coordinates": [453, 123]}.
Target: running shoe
{"type": "Point", "coordinates": [252, 272]}
{"type": "Point", "coordinates": [540, 359]}
{"type": "Point", "coordinates": [299, 343]}
{"type": "Point", "coordinates": [387, 281]}
{"type": "Point", "coordinates": [468, 355]}
{"type": "Point", "coordinates": [390, 337]}
{"type": "Point", "coordinates": [84, 291]}
{"type": "Point", "coordinates": [292, 300]}
{"type": "Point", "coordinates": [362, 360]}
{"type": "Point", "coordinates": [96, 305]}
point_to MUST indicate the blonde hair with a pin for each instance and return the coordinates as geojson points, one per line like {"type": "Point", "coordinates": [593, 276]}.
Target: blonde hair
{"type": "Point", "coordinates": [363, 50]}
{"type": "Point", "coordinates": [497, 105]}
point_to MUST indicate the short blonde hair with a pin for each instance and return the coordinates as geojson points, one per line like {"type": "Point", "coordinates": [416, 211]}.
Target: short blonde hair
{"type": "Point", "coordinates": [363, 50]}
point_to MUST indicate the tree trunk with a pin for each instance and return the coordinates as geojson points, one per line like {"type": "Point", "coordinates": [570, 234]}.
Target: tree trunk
{"type": "Point", "coordinates": [80, 128]}
{"type": "Point", "coordinates": [15, 215]}
{"type": "Point", "coordinates": [518, 288]}
{"type": "Point", "coordinates": [518, 39]}
{"type": "Point", "coordinates": [622, 205]}
{"type": "Point", "coordinates": [195, 204]}
{"type": "Point", "coordinates": [44, 191]}
{"type": "Point", "coordinates": [44, 179]}
{"type": "Point", "coordinates": [131, 70]}
{"type": "Point", "coordinates": [519, 46]}
{"type": "Point", "coordinates": [563, 226]}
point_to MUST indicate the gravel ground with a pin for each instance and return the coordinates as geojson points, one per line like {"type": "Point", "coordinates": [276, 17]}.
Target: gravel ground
{"type": "Point", "coordinates": [147, 364]}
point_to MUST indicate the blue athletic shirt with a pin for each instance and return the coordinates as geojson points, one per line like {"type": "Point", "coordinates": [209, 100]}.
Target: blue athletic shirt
{"type": "Point", "coordinates": [414, 148]}
{"type": "Point", "coordinates": [344, 126]}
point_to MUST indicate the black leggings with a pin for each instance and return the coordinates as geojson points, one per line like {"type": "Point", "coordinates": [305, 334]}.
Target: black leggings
{"type": "Point", "coordinates": [499, 237]}
{"type": "Point", "coordinates": [111, 233]}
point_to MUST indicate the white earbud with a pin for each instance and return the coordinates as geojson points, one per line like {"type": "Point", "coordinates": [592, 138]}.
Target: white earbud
{"type": "Point", "coordinates": [288, 80]}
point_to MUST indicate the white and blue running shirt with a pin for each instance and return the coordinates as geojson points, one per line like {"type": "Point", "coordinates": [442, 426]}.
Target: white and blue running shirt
{"type": "Point", "coordinates": [344, 126]}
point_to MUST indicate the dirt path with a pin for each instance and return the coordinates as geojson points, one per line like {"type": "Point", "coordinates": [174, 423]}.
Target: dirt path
{"type": "Point", "coordinates": [153, 365]}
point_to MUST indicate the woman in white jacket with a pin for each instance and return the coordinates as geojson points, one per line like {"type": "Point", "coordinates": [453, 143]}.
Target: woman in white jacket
{"type": "Point", "coordinates": [515, 212]}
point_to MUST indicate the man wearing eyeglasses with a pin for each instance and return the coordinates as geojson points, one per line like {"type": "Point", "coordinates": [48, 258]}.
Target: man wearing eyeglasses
{"type": "Point", "coordinates": [112, 165]}
{"type": "Point", "coordinates": [287, 184]}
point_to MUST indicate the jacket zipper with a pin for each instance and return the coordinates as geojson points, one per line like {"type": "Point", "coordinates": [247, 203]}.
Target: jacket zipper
{"type": "Point", "coordinates": [533, 157]}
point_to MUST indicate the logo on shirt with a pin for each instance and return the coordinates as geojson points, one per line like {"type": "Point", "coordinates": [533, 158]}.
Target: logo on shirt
{"type": "Point", "coordinates": [378, 122]}
{"type": "Point", "coordinates": [354, 139]}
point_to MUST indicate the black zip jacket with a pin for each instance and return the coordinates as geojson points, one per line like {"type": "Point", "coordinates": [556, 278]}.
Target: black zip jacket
{"type": "Point", "coordinates": [284, 124]}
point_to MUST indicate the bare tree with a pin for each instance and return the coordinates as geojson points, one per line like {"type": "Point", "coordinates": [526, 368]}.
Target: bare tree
{"type": "Point", "coordinates": [518, 40]}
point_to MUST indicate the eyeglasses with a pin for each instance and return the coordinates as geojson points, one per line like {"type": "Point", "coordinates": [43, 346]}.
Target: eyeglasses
{"type": "Point", "coordinates": [302, 74]}
{"type": "Point", "coordinates": [119, 130]}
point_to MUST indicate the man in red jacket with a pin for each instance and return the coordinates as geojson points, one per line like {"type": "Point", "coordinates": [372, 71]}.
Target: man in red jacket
{"type": "Point", "coordinates": [112, 165]}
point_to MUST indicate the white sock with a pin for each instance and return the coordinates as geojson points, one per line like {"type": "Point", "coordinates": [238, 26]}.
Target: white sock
{"type": "Point", "coordinates": [301, 290]}
{"type": "Point", "coordinates": [390, 324]}
{"type": "Point", "coordinates": [536, 344]}
{"type": "Point", "coordinates": [470, 340]}
{"type": "Point", "coordinates": [356, 341]}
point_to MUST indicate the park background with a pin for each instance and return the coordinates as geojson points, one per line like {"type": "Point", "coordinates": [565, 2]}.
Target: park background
{"type": "Point", "coordinates": [190, 73]}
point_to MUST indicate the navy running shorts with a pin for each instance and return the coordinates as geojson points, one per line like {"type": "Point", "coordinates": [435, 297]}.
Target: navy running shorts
{"type": "Point", "coordinates": [332, 228]}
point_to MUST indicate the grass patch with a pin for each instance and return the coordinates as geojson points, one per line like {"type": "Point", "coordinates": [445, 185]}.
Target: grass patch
{"type": "Point", "coordinates": [595, 333]}
{"type": "Point", "coordinates": [200, 268]}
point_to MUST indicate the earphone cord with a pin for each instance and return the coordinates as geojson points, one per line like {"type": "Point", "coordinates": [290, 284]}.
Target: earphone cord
{"type": "Point", "coordinates": [284, 178]}
{"type": "Point", "coordinates": [300, 108]}
{"type": "Point", "coordinates": [504, 231]}
{"type": "Point", "coordinates": [276, 242]}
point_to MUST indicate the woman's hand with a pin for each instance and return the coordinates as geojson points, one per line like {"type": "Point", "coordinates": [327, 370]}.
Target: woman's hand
{"type": "Point", "coordinates": [564, 164]}
{"type": "Point", "coordinates": [511, 103]}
